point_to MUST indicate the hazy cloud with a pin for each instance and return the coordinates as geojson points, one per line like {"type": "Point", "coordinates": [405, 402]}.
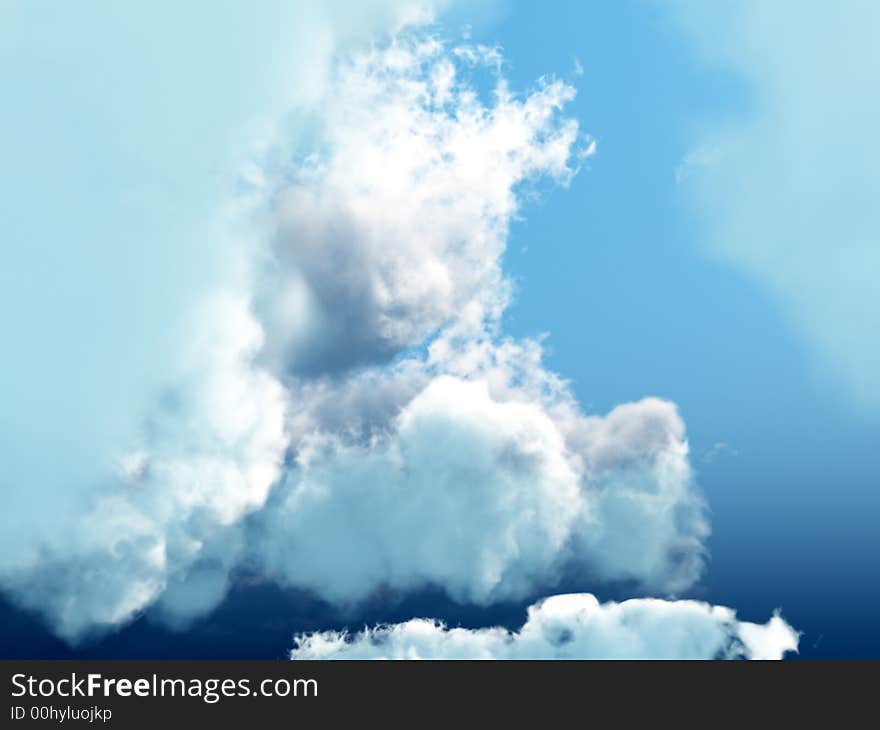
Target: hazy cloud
{"type": "Point", "coordinates": [346, 415]}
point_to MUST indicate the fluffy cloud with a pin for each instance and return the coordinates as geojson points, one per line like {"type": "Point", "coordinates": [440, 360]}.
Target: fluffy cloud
{"type": "Point", "coordinates": [468, 493]}
{"type": "Point", "coordinates": [166, 525]}
{"type": "Point", "coordinates": [490, 494]}
{"type": "Point", "coordinates": [394, 227]}
{"type": "Point", "coordinates": [573, 626]}
{"type": "Point", "coordinates": [353, 421]}
{"type": "Point", "coordinates": [786, 191]}
{"type": "Point", "coordinates": [651, 518]}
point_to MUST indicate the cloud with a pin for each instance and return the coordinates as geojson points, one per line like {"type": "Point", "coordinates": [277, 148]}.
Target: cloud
{"type": "Point", "coordinates": [475, 487]}
{"type": "Point", "coordinates": [651, 516]}
{"type": "Point", "coordinates": [462, 464]}
{"type": "Point", "coordinates": [572, 626]}
{"type": "Point", "coordinates": [785, 188]}
{"type": "Point", "coordinates": [468, 493]}
{"type": "Point", "coordinates": [345, 415]}
{"type": "Point", "coordinates": [165, 528]}
{"type": "Point", "coordinates": [138, 428]}
{"type": "Point", "coordinates": [717, 450]}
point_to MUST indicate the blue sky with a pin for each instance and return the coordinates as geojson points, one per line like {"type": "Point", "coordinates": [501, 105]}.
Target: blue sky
{"type": "Point", "coordinates": [718, 250]}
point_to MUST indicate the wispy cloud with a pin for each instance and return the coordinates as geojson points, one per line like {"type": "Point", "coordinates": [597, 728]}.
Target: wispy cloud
{"type": "Point", "coordinates": [786, 185]}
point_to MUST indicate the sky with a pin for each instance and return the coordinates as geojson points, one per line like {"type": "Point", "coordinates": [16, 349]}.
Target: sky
{"type": "Point", "coordinates": [554, 318]}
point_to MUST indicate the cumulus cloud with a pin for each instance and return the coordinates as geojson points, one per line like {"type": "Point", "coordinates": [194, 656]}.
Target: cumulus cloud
{"type": "Point", "coordinates": [394, 226]}
{"type": "Point", "coordinates": [351, 419]}
{"type": "Point", "coordinates": [478, 488]}
{"type": "Point", "coordinates": [166, 525]}
{"type": "Point", "coordinates": [468, 493]}
{"type": "Point", "coordinates": [651, 517]}
{"type": "Point", "coordinates": [573, 626]}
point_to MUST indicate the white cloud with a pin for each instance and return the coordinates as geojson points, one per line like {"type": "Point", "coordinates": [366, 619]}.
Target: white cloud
{"type": "Point", "coordinates": [163, 431]}
{"type": "Point", "coordinates": [166, 526]}
{"type": "Point", "coordinates": [467, 493]}
{"type": "Point", "coordinates": [354, 420]}
{"type": "Point", "coordinates": [478, 488]}
{"type": "Point", "coordinates": [573, 626]}
{"type": "Point", "coordinates": [651, 517]}
{"type": "Point", "coordinates": [717, 450]}
{"type": "Point", "coordinates": [394, 225]}
{"type": "Point", "coordinates": [409, 203]}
